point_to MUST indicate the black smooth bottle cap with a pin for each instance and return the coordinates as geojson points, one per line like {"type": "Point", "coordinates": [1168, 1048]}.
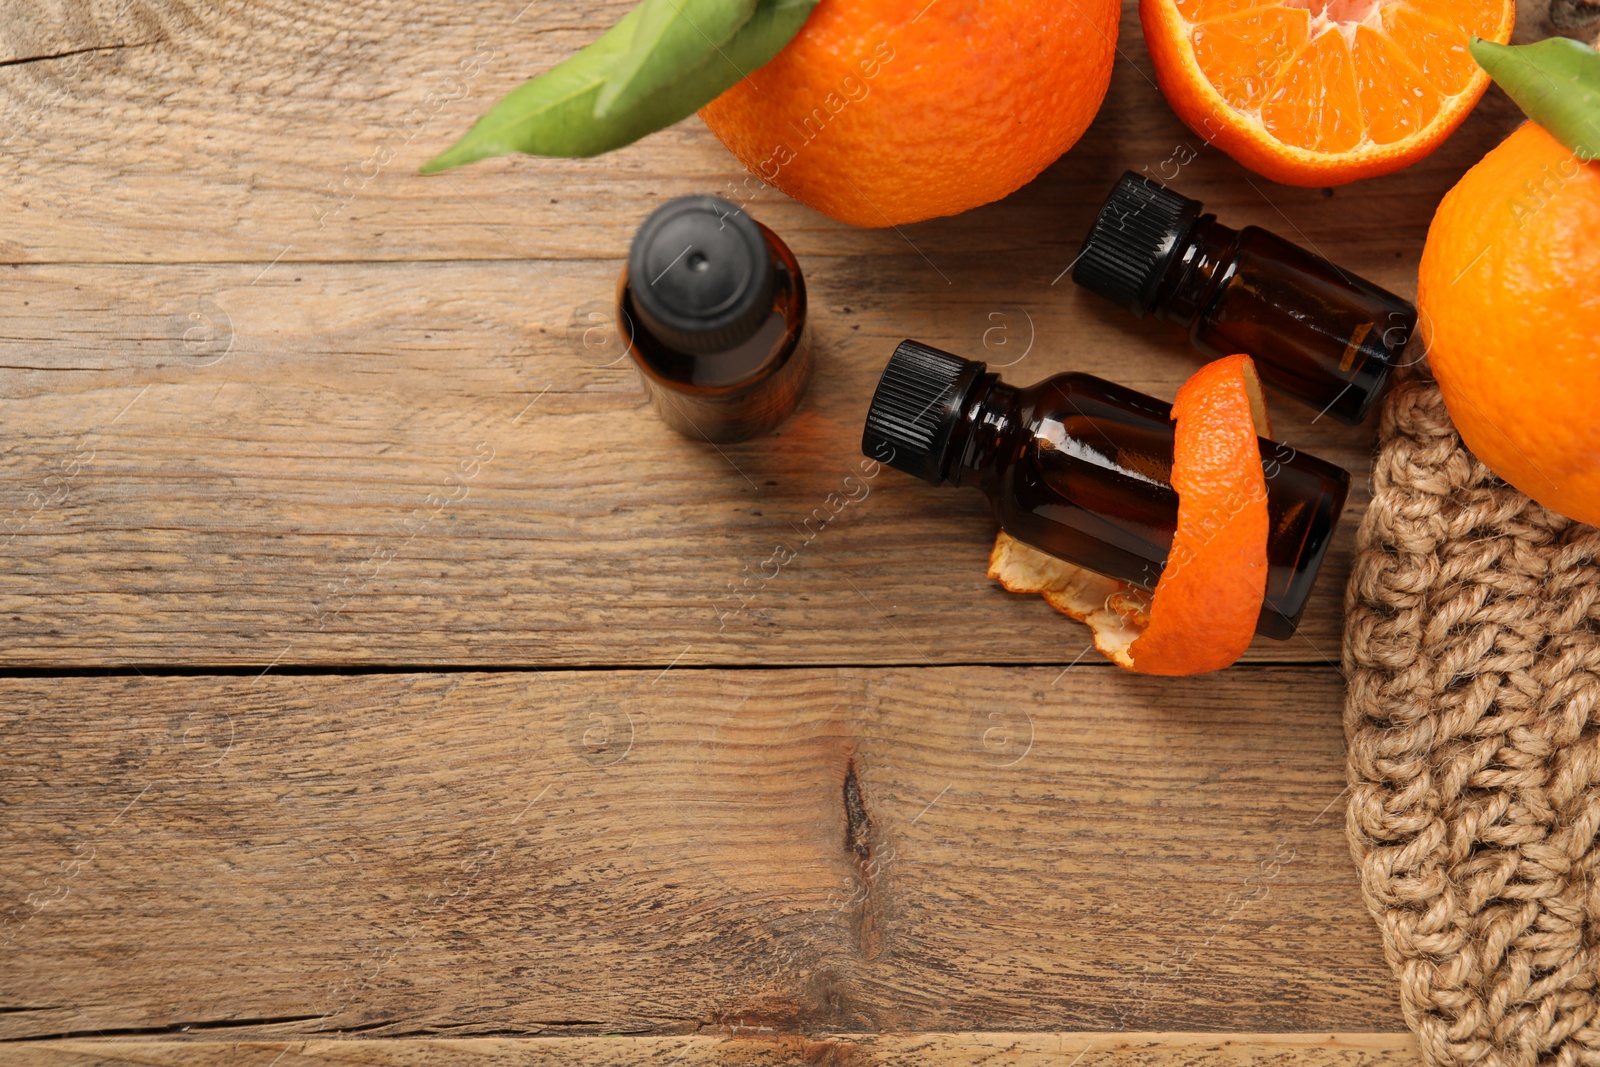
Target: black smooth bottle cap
{"type": "Point", "coordinates": [700, 275]}
{"type": "Point", "coordinates": [918, 403]}
{"type": "Point", "coordinates": [1133, 242]}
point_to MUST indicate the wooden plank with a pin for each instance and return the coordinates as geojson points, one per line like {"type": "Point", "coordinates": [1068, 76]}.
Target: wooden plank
{"type": "Point", "coordinates": [253, 131]}
{"type": "Point", "coordinates": [271, 496]}
{"type": "Point", "coordinates": [598, 852]}
{"type": "Point", "coordinates": [756, 1050]}
{"type": "Point", "coordinates": [426, 463]}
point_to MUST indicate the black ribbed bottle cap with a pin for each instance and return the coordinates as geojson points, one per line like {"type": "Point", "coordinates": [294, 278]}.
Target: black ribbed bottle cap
{"type": "Point", "coordinates": [1133, 242]}
{"type": "Point", "coordinates": [700, 275]}
{"type": "Point", "coordinates": [917, 405]}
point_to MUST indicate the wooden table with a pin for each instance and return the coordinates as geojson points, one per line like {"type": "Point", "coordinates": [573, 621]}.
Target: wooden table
{"type": "Point", "coordinates": [383, 683]}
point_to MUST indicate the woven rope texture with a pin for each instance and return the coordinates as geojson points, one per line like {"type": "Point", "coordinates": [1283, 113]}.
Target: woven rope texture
{"type": "Point", "coordinates": [1472, 648]}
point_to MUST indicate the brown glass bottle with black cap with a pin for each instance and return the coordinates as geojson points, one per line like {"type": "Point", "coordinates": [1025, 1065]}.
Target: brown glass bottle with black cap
{"type": "Point", "coordinates": [1318, 333]}
{"type": "Point", "coordinates": [715, 308]}
{"type": "Point", "coordinates": [1081, 468]}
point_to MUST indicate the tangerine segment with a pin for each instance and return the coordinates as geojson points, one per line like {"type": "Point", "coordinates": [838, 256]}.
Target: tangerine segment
{"type": "Point", "coordinates": [1437, 49]}
{"type": "Point", "coordinates": [1396, 99]}
{"type": "Point", "coordinates": [1201, 10]}
{"type": "Point", "coordinates": [1314, 103]}
{"type": "Point", "coordinates": [1204, 611]}
{"type": "Point", "coordinates": [1242, 55]}
{"type": "Point", "coordinates": [1322, 92]}
{"type": "Point", "coordinates": [1485, 20]}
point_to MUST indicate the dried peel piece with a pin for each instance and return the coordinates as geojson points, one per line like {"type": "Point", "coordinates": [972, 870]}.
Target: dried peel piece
{"type": "Point", "coordinates": [1116, 612]}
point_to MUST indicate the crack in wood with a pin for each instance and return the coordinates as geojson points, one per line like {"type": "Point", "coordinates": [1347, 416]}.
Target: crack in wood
{"type": "Point", "coordinates": [174, 1028]}
{"type": "Point", "coordinates": [78, 52]}
{"type": "Point", "coordinates": [863, 905]}
{"type": "Point", "coordinates": [857, 824]}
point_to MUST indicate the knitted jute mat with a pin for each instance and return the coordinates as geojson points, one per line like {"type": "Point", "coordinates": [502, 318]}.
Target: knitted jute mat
{"type": "Point", "coordinates": [1472, 649]}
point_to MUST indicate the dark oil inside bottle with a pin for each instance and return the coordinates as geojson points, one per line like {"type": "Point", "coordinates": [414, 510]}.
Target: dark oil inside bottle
{"type": "Point", "coordinates": [1325, 337]}
{"type": "Point", "coordinates": [1091, 484]}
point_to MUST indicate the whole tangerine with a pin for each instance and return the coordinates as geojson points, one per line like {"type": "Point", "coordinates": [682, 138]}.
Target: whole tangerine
{"type": "Point", "coordinates": [1511, 314]}
{"type": "Point", "coordinates": [882, 112]}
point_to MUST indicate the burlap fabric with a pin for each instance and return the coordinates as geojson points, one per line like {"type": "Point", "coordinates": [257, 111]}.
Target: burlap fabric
{"type": "Point", "coordinates": [1472, 648]}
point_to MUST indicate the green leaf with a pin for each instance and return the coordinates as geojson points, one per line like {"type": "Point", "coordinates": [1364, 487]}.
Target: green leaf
{"type": "Point", "coordinates": [672, 36]}
{"type": "Point", "coordinates": [553, 114]}
{"type": "Point", "coordinates": [549, 112]}
{"type": "Point", "coordinates": [1556, 81]}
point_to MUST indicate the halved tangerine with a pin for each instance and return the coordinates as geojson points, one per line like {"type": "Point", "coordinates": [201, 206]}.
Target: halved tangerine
{"type": "Point", "coordinates": [1322, 92]}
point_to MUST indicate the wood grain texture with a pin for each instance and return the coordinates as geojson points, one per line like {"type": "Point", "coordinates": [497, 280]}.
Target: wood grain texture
{"type": "Point", "coordinates": [291, 484]}
{"type": "Point", "coordinates": [293, 128]}
{"type": "Point", "coordinates": [425, 463]}
{"type": "Point", "coordinates": [269, 399]}
{"type": "Point", "coordinates": [675, 852]}
{"type": "Point", "coordinates": [757, 1050]}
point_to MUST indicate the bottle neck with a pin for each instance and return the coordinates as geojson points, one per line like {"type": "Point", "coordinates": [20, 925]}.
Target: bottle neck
{"type": "Point", "coordinates": [1202, 264]}
{"type": "Point", "coordinates": [979, 442]}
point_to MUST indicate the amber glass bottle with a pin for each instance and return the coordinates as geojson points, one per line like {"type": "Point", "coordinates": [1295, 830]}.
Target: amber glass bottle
{"type": "Point", "coordinates": [714, 307]}
{"type": "Point", "coordinates": [1320, 334]}
{"type": "Point", "coordinates": [1079, 467]}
